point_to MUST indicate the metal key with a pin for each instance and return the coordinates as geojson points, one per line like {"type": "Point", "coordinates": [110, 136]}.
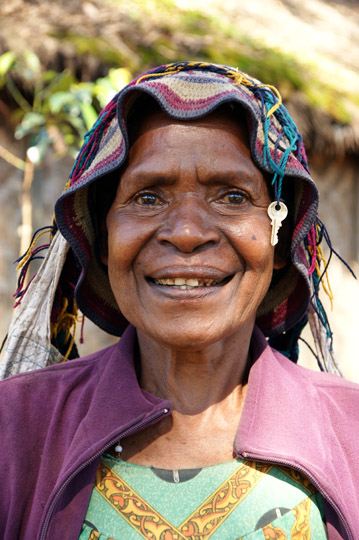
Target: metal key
{"type": "Point", "coordinates": [277, 215]}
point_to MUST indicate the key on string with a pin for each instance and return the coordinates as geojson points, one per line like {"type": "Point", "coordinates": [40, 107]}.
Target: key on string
{"type": "Point", "coordinates": [277, 211]}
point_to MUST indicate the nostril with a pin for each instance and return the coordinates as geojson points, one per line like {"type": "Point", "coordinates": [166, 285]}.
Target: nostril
{"type": "Point", "coordinates": [187, 237]}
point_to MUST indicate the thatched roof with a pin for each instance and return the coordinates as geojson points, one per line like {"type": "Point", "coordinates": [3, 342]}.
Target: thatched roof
{"type": "Point", "coordinates": [88, 37]}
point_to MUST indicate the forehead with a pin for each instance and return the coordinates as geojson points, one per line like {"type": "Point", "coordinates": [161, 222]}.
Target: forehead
{"type": "Point", "coordinates": [150, 116]}
{"type": "Point", "coordinates": [213, 144]}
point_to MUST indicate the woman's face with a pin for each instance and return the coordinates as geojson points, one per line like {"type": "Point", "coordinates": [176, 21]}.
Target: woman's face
{"type": "Point", "coordinates": [189, 253]}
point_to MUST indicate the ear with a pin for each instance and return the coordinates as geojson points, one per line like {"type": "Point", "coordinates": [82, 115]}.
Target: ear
{"type": "Point", "coordinates": [282, 249]}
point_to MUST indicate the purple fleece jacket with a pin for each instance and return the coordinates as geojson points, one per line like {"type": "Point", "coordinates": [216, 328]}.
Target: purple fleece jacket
{"type": "Point", "coordinates": [56, 422]}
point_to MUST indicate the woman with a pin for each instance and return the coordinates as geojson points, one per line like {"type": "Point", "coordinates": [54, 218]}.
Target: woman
{"type": "Point", "coordinates": [192, 221]}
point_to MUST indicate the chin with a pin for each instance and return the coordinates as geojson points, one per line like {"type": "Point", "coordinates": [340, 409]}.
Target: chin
{"type": "Point", "coordinates": [193, 335]}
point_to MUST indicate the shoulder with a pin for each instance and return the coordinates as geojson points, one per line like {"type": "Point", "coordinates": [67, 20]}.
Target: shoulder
{"type": "Point", "coordinates": [40, 384]}
{"type": "Point", "coordinates": [73, 383]}
{"type": "Point", "coordinates": [332, 396]}
{"type": "Point", "coordinates": [312, 411]}
{"type": "Point", "coordinates": [321, 380]}
{"type": "Point", "coordinates": [277, 368]}
{"type": "Point", "coordinates": [51, 402]}
{"type": "Point", "coordinates": [301, 389]}
{"type": "Point", "coordinates": [338, 396]}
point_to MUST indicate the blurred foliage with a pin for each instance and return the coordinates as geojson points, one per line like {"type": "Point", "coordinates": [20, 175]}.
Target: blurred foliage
{"type": "Point", "coordinates": [61, 109]}
{"type": "Point", "coordinates": [99, 47]}
{"type": "Point", "coordinates": [56, 109]}
{"type": "Point", "coordinates": [162, 32]}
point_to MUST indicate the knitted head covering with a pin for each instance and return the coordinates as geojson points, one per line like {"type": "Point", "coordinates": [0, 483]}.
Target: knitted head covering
{"type": "Point", "coordinates": [186, 91]}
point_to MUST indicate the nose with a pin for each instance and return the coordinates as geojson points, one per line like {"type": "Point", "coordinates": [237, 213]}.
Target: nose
{"type": "Point", "coordinates": [188, 225]}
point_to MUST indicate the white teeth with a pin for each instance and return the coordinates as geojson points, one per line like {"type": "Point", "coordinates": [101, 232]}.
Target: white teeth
{"type": "Point", "coordinates": [192, 282]}
{"type": "Point", "coordinates": [183, 283]}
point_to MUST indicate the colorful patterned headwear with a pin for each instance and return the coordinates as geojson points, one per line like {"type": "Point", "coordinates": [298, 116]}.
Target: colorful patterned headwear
{"type": "Point", "coordinates": [186, 91]}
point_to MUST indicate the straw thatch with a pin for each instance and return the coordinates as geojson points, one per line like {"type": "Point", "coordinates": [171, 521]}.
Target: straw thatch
{"type": "Point", "coordinates": [89, 37]}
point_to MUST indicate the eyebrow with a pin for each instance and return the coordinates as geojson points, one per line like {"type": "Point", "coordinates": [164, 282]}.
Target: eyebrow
{"type": "Point", "coordinates": [161, 177]}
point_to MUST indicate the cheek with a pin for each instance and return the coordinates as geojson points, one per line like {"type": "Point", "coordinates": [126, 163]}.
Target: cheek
{"type": "Point", "coordinates": [252, 242]}
{"type": "Point", "coordinates": [126, 238]}
{"type": "Point", "coordinates": [260, 253]}
{"type": "Point", "coordinates": [123, 247]}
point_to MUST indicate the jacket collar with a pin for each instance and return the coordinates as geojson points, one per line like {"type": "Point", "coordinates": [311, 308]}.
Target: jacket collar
{"type": "Point", "coordinates": [289, 418]}
{"type": "Point", "coordinates": [113, 402]}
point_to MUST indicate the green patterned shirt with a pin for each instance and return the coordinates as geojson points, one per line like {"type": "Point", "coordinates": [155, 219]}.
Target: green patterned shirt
{"type": "Point", "coordinates": [238, 500]}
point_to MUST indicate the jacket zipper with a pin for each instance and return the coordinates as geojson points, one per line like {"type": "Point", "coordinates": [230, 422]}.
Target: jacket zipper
{"type": "Point", "coordinates": [312, 480]}
{"type": "Point", "coordinates": [141, 424]}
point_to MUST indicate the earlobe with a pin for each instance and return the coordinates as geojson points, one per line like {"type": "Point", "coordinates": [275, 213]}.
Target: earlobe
{"type": "Point", "coordinates": [279, 260]}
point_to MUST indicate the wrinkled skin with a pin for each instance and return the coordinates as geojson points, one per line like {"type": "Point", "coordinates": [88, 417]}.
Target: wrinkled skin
{"type": "Point", "coordinates": [190, 204]}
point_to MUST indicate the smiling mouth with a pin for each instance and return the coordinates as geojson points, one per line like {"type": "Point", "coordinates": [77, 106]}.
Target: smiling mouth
{"type": "Point", "coordinates": [190, 283]}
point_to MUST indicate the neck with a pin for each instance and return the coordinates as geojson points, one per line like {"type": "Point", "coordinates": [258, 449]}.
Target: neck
{"type": "Point", "coordinates": [196, 380]}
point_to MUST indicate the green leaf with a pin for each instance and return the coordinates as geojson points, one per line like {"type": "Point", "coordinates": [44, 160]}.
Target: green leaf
{"type": "Point", "coordinates": [30, 123]}
{"type": "Point", "coordinates": [119, 78]}
{"type": "Point", "coordinates": [59, 100]}
{"type": "Point", "coordinates": [62, 82]}
{"type": "Point", "coordinates": [89, 114]}
{"type": "Point", "coordinates": [49, 75]}
{"type": "Point", "coordinates": [38, 147]}
{"type": "Point", "coordinates": [33, 119]}
{"type": "Point", "coordinates": [32, 61]}
{"type": "Point", "coordinates": [7, 60]}
{"type": "Point", "coordinates": [55, 83]}
{"type": "Point", "coordinates": [104, 91]}
{"type": "Point", "coordinates": [83, 92]}
{"type": "Point", "coordinates": [78, 124]}
{"type": "Point", "coordinates": [69, 138]}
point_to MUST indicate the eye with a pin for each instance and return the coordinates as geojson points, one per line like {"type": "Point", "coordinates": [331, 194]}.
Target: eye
{"type": "Point", "coordinates": [147, 199]}
{"type": "Point", "coordinates": [234, 198]}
